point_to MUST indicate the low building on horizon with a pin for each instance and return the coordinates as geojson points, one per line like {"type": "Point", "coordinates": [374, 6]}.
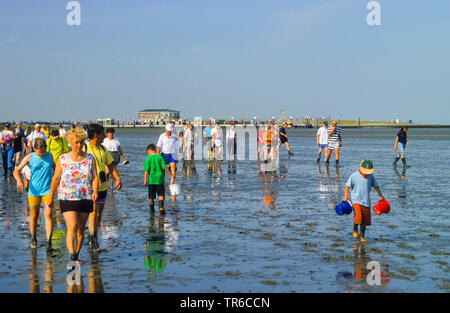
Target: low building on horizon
{"type": "Point", "coordinates": [157, 115]}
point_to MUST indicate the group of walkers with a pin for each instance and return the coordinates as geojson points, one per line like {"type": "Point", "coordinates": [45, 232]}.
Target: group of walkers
{"type": "Point", "coordinates": [75, 165]}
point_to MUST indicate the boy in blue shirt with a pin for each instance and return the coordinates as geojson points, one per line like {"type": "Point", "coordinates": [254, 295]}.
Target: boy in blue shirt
{"type": "Point", "coordinates": [360, 183]}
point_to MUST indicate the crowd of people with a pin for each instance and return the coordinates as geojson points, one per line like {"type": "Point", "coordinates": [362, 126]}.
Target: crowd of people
{"type": "Point", "coordinates": [77, 165]}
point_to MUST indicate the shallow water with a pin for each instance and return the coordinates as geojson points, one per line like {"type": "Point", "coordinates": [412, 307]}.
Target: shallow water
{"type": "Point", "coordinates": [234, 230]}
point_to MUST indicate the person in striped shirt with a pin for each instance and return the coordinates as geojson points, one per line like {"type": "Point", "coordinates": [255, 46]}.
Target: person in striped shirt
{"type": "Point", "coordinates": [334, 142]}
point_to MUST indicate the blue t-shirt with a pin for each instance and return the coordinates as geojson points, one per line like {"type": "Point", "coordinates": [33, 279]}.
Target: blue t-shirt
{"type": "Point", "coordinates": [207, 132]}
{"type": "Point", "coordinates": [41, 175]}
{"type": "Point", "coordinates": [360, 188]}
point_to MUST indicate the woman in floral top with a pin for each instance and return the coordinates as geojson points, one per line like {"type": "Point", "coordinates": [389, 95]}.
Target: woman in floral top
{"type": "Point", "coordinates": [76, 176]}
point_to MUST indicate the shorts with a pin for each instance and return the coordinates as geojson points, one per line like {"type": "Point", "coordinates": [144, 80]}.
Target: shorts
{"type": "Point", "coordinates": [323, 146]}
{"type": "Point", "coordinates": [37, 200]}
{"type": "Point", "coordinates": [401, 148]}
{"type": "Point", "coordinates": [101, 197]}
{"type": "Point", "coordinates": [116, 157]}
{"type": "Point", "coordinates": [168, 158]}
{"type": "Point", "coordinates": [283, 139]}
{"type": "Point", "coordinates": [79, 206]}
{"type": "Point", "coordinates": [333, 145]}
{"type": "Point", "coordinates": [156, 189]}
{"type": "Point", "coordinates": [362, 215]}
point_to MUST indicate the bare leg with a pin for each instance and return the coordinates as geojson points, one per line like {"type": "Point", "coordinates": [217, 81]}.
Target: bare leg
{"type": "Point", "coordinates": [71, 219]}
{"type": "Point", "coordinates": [34, 216]}
{"type": "Point", "coordinates": [48, 214]}
{"type": "Point", "coordinates": [82, 218]}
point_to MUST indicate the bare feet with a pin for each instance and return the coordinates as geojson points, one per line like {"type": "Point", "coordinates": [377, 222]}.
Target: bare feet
{"type": "Point", "coordinates": [362, 239]}
{"type": "Point", "coordinates": [355, 235]}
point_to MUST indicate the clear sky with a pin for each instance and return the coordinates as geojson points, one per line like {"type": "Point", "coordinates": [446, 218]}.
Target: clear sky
{"type": "Point", "coordinates": [228, 58]}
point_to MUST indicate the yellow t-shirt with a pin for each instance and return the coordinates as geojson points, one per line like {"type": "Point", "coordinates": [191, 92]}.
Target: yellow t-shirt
{"type": "Point", "coordinates": [102, 159]}
{"type": "Point", "coordinates": [46, 132]}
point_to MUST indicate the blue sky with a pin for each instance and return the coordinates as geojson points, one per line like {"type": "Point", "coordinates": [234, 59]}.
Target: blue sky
{"type": "Point", "coordinates": [225, 58]}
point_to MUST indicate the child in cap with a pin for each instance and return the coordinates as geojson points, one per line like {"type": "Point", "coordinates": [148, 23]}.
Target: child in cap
{"type": "Point", "coordinates": [154, 176]}
{"type": "Point", "coordinates": [360, 184]}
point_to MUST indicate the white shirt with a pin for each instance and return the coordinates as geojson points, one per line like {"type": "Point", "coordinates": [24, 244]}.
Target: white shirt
{"type": "Point", "coordinates": [323, 136]}
{"type": "Point", "coordinates": [111, 145]}
{"type": "Point", "coordinates": [231, 133]}
{"type": "Point", "coordinates": [62, 132]}
{"type": "Point", "coordinates": [218, 136]}
{"type": "Point", "coordinates": [188, 136]}
{"type": "Point", "coordinates": [167, 145]}
{"type": "Point", "coordinates": [35, 135]}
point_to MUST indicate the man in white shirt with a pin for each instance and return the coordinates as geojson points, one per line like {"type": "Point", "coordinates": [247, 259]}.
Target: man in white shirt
{"type": "Point", "coordinates": [167, 147]}
{"type": "Point", "coordinates": [62, 131]}
{"type": "Point", "coordinates": [36, 133]}
{"type": "Point", "coordinates": [322, 138]}
{"type": "Point", "coordinates": [217, 138]}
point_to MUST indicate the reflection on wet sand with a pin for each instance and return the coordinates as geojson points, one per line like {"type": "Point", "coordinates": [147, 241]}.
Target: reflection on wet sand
{"type": "Point", "coordinates": [328, 185]}
{"type": "Point", "coordinates": [267, 184]}
{"type": "Point", "coordinates": [95, 276]}
{"type": "Point", "coordinates": [155, 257]}
{"type": "Point", "coordinates": [400, 186]}
{"type": "Point", "coordinates": [358, 279]}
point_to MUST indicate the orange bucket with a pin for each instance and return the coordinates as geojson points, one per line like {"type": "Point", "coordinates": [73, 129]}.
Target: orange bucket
{"type": "Point", "coordinates": [382, 207]}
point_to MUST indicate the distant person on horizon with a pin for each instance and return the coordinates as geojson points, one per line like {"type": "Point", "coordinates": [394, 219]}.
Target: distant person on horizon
{"type": "Point", "coordinates": [334, 142]}
{"type": "Point", "coordinates": [260, 140]}
{"type": "Point", "coordinates": [207, 140]}
{"type": "Point", "coordinates": [322, 139]}
{"type": "Point", "coordinates": [400, 144]}
{"type": "Point", "coordinates": [113, 146]}
{"type": "Point", "coordinates": [232, 142]}
{"type": "Point", "coordinates": [62, 131]}
{"type": "Point", "coordinates": [217, 137]}
{"type": "Point", "coordinates": [284, 138]}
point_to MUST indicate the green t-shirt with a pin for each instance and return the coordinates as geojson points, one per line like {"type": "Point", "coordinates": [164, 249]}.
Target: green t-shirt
{"type": "Point", "coordinates": [154, 164]}
{"type": "Point", "coordinates": [57, 147]}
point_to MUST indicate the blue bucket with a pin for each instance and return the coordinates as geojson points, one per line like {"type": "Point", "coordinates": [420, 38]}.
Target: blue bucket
{"type": "Point", "coordinates": [343, 208]}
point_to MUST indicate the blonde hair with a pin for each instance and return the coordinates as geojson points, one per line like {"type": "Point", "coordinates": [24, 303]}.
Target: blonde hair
{"type": "Point", "coordinates": [76, 134]}
{"type": "Point", "coordinates": [39, 144]}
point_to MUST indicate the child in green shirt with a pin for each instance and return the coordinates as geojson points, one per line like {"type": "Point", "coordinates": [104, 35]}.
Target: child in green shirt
{"type": "Point", "coordinates": [154, 173]}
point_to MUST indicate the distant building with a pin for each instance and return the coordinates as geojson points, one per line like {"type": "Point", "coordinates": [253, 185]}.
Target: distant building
{"type": "Point", "coordinates": [152, 115]}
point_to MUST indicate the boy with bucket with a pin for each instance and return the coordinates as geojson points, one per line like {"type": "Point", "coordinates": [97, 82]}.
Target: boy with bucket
{"type": "Point", "coordinates": [360, 183]}
{"type": "Point", "coordinates": [154, 168]}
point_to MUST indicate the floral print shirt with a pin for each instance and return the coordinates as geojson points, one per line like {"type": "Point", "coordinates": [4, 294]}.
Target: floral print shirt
{"type": "Point", "coordinates": [76, 179]}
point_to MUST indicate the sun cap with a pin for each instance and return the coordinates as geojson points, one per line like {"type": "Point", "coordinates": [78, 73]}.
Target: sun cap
{"type": "Point", "coordinates": [169, 127]}
{"type": "Point", "coordinates": [7, 125]}
{"type": "Point", "coordinates": [325, 123]}
{"type": "Point", "coordinates": [366, 167]}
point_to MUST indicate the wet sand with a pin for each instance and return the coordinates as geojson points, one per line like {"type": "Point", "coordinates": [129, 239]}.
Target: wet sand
{"type": "Point", "coordinates": [234, 230]}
